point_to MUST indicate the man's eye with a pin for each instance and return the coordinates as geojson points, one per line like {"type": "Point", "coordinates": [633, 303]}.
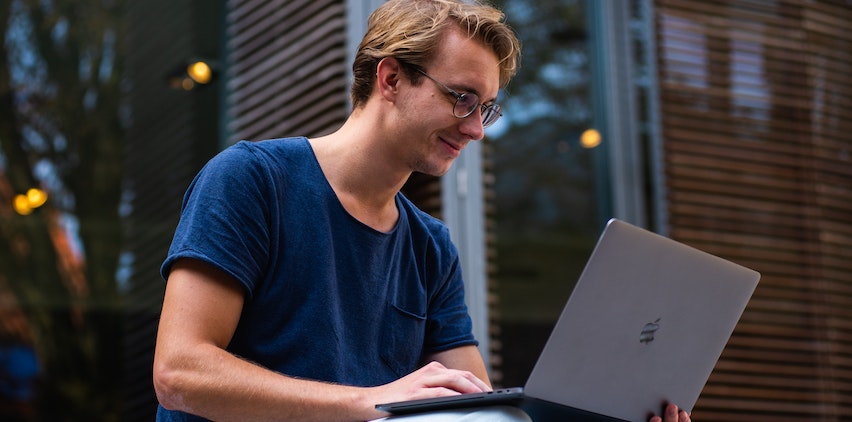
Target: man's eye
{"type": "Point", "coordinates": [469, 100]}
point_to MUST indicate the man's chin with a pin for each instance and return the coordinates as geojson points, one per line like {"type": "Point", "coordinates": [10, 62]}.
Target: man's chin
{"type": "Point", "coordinates": [435, 169]}
{"type": "Point", "coordinates": [438, 172]}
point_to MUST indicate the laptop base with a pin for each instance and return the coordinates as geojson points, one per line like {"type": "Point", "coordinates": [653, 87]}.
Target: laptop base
{"type": "Point", "coordinates": [545, 411]}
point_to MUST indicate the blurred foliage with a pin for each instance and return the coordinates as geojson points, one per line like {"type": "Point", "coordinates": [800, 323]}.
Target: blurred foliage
{"type": "Point", "coordinates": [545, 178]}
{"type": "Point", "coordinates": [545, 198]}
{"type": "Point", "coordinates": [61, 129]}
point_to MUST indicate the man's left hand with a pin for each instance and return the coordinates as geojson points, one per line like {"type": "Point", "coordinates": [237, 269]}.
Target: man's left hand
{"type": "Point", "coordinates": [672, 414]}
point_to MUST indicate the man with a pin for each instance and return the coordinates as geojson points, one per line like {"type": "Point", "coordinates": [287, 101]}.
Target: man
{"type": "Point", "coordinates": [301, 285]}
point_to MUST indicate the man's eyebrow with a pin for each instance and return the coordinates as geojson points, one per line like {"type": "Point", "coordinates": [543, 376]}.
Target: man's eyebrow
{"type": "Point", "coordinates": [471, 90]}
{"type": "Point", "coordinates": [461, 88]}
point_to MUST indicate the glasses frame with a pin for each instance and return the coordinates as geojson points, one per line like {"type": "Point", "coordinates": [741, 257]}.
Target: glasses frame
{"type": "Point", "coordinates": [490, 112]}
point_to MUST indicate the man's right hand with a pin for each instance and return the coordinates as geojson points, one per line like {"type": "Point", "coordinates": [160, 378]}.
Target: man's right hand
{"type": "Point", "coordinates": [194, 373]}
{"type": "Point", "coordinates": [432, 380]}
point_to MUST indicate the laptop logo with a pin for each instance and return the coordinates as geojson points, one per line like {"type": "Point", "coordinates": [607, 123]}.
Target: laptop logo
{"type": "Point", "coordinates": [648, 331]}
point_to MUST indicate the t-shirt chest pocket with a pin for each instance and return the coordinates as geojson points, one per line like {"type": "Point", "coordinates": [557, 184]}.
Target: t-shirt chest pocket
{"type": "Point", "coordinates": [403, 337]}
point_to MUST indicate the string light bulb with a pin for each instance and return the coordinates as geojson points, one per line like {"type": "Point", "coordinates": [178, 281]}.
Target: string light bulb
{"type": "Point", "coordinates": [24, 204]}
{"type": "Point", "coordinates": [590, 138]}
{"type": "Point", "coordinates": [192, 74]}
{"type": "Point", "coordinates": [200, 72]}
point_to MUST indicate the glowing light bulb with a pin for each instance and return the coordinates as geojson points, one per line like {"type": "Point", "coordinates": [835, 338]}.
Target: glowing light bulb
{"type": "Point", "coordinates": [22, 205]}
{"type": "Point", "coordinates": [200, 72]}
{"type": "Point", "coordinates": [36, 197]}
{"type": "Point", "coordinates": [591, 138]}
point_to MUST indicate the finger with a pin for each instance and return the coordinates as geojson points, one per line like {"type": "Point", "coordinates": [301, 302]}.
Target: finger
{"type": "Point", "coordinates": [671, 413]}
{"type": "Point", "coordinates": [456, 380]}
{"type": "Point", "coordinates": [684, 417]}
{"type": "Point", "coordinates": [472, 384]}
{"type": "Point", "coordinates": [459, 382]}
{"type": "Point", "coordinates": [480, 384]}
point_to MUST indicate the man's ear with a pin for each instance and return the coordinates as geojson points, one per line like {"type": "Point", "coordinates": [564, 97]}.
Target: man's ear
{"type": "Point", "coordinates": [388, 75]}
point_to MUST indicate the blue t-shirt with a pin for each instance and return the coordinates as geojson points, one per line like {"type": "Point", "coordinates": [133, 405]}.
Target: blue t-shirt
{"type": "Point", "coordinates": [327, 297]}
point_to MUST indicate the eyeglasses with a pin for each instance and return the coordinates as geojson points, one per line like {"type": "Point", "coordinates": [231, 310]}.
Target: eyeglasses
{"type": "Point", "coordinates": [467, 102]}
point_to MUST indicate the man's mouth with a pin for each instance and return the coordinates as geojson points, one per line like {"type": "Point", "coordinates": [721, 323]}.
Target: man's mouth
{"type": "Point", "coordinates": [451, 145]}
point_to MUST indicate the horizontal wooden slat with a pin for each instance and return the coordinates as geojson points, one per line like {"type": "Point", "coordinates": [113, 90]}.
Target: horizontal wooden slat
{"type": "Point", "coordinates": [755, 98]}
{"type": "Point", "coordinates": [287, 68]}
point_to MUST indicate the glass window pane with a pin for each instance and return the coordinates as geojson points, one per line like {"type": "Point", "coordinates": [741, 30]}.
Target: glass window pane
{"type": "Point", "coordinates": [545, 195]}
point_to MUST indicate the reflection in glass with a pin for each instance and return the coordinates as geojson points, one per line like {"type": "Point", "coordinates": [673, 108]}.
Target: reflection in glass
{"type": "Point", "coordinates": [544, 195]}
{"type": "Point", "coordinates": [61, 160]}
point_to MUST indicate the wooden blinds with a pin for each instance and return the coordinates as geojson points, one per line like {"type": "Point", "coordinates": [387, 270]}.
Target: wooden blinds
{"type": "Point", "coordinates": [756, 100]}
{"type": "Point", "coordinates": [286, 68]}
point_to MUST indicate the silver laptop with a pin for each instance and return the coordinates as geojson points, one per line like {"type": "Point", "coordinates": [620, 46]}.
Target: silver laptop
{"type": "Point", "coordinates": [644, 326]}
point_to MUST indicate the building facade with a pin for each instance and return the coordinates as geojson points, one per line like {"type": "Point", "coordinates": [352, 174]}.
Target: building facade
{"type": "Point", "coordinates": [723, 125]}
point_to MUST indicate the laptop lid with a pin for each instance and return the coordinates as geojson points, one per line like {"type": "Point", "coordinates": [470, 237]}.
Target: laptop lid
{"type": "Point", "coordinates": [645, 325]}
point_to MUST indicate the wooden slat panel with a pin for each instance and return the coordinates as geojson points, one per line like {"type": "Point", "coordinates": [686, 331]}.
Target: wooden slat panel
{"type": "Point", "coordinates": [755, 99]}
{"type": "Point", "coordinates": [171, 134]}
{"type": "Point", "coordinates": [287, 68]}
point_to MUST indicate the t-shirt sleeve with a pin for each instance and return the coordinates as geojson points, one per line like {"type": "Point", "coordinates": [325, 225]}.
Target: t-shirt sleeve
{"type": "Point", "coordinates": [225, 217]}
{"type": "Point", "coordinates": [448, 324]}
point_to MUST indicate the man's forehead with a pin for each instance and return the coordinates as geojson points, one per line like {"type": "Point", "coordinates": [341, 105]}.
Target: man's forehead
{"type": "Point", "coordinates": [467, 63]}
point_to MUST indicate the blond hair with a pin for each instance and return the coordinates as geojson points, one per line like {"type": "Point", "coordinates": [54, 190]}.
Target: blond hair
{"type": "Point", "coordinates": [410, 30]}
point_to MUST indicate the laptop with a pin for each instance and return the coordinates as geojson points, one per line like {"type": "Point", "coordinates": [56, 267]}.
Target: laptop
{"type": "Point", "coordinates": [644, 326]}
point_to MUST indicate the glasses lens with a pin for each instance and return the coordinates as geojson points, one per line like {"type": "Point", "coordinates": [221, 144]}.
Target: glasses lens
{"type": "Point", "coordinates": [465, 105]}
{"type": "Point", "coordinates": [490, 114]}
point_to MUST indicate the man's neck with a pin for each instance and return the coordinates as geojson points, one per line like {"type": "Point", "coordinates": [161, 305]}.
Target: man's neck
{"type": "Point", "coordinates": [366, 180]}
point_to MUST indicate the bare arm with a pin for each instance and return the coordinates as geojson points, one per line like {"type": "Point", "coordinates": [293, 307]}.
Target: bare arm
{"type": "Point", "coordinates": [194, 373]}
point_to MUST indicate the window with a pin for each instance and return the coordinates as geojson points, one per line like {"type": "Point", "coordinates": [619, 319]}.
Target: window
{"type": "Point", "coordinates": [545, 197]}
